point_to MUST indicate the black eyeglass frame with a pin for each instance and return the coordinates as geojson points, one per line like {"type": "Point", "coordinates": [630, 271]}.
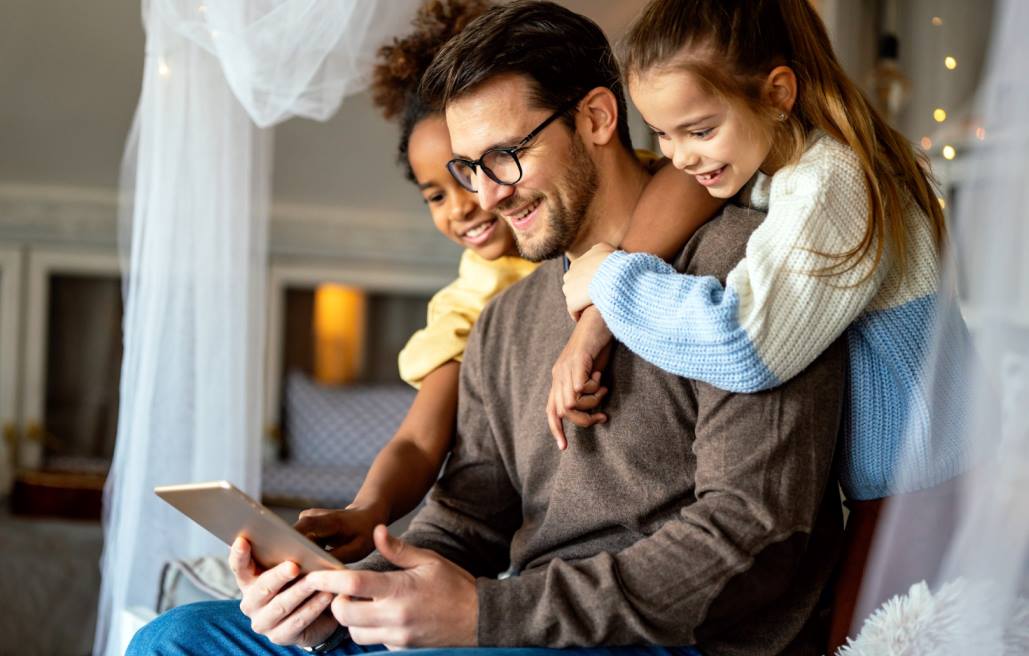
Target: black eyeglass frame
{"type": "Point", "coordinates": [512, 151]}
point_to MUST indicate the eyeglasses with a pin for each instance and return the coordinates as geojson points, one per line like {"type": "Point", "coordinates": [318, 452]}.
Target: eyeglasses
{"type": "Point", "coordinates": [500, 164]}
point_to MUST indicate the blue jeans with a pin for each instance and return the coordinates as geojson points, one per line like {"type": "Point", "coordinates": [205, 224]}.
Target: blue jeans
{"type": "Point", "coordinates": [219, 627]}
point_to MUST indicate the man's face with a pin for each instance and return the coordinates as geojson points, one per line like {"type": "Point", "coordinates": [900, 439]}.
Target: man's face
{"type": "Point", "coordinates": [548, 206]}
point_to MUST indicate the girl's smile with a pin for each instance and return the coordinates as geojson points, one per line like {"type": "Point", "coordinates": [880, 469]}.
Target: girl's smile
{"type": "Point", "coordinates": [721, 144]}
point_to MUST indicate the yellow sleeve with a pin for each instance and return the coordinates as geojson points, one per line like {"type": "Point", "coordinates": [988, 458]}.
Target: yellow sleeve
{"type": "Point", "coordinates": [453, 311]}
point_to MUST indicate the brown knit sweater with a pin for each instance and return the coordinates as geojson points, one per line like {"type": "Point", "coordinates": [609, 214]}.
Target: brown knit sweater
{"type": "Point", "coordinates": [693, 516]}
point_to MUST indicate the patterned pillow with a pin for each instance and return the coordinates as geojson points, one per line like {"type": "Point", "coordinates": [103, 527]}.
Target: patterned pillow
{"type": "Point", "coordinates": [298, 486]}
{"type": "Point", "coordinates": [341, 426]}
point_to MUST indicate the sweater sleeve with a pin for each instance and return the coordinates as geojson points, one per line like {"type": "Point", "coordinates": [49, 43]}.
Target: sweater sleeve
{"type": "Point", "coordinates": [764, 464]}
{"type": "Point", "coordinates": [474, 508]}
{"type": "Point", "coordinates": [775, 314]}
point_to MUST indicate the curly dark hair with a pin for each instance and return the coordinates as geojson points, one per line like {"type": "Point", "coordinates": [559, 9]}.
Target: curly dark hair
{"type": "Point", "coordinates": [401, 64]}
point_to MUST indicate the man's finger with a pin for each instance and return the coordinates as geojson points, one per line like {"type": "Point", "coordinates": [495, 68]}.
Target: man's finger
{"type": "Point", "coordinates": [268, 584]}
{"type": "Point", "coordinates": [399, 552]}
{"type": "Point", "coordinates": [362, 613]}
{"type": "Point", "coordinates": [268, 614]}
{"type": "Point", "coordinates": [363, 584]}
{"type": "Point", "coordinates": [241, 564]}
{"type": "Point", "coordinates": [290, 629]}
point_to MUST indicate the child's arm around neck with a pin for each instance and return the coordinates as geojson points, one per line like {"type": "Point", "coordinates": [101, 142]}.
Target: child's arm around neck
{"type": "Point", "coordinates": [672, 207]}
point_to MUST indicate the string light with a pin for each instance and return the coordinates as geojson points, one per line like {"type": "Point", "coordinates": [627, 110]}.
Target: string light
{"type": "Point", "coordinates": [980, 133]}
{"type": "Point", "coordinates": [939, 115]}
{"type": "Point", "coordinates": [949, 152]}
{"type": "Point", "coordinates": [950, 63]}
{"type": "Point", "coordinates": [937, 21]}
{"type": "Point", "coordinates": [927, 143]}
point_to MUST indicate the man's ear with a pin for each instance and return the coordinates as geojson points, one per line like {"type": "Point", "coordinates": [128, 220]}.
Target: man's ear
{"type": "Point", "coordinates": [598, 114]}
{"type": "Point", "coordinates": [781, 88]}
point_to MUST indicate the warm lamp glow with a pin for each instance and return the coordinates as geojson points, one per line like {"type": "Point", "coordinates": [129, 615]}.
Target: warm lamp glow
{"type": "Point", "coordinates": [926, 143]}
{"type": "Point", "coordinates": [937, 21]}
{"type": "Point", "coordinates": [338, 333]}
{"type": "Point", "coordinates": [950, 63]}
{"type": "Point", "coordinates": [949, 152]}
{"type": "Point", "coordinates": [939, 115]}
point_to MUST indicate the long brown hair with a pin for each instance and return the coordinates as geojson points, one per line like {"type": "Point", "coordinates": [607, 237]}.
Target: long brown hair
{"type": "Point", "coordinates": [732, 45]}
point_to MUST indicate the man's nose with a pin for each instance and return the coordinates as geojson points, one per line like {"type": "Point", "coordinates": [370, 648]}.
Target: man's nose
{"type": "Point", "coordinates": [489, 192]}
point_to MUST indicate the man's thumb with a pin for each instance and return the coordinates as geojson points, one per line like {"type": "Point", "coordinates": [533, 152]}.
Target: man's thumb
{"type": "Point", "coordinates": [397, 551]}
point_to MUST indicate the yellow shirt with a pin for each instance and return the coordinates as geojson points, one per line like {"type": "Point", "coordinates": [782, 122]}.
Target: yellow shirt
{"type": "Point", "coordinates": [453, 311]}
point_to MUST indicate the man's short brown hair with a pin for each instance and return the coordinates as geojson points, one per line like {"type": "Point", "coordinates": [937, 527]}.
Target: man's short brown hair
{"type": "Point", "coordinates": [562, 54]}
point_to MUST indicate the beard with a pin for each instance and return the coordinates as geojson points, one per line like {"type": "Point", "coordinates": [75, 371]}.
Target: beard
{"type": "Point", "coordinates": [566, 210]}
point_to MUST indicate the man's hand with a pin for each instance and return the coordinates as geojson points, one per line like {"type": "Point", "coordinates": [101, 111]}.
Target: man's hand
{"type": "Point", "coordinates": [575, 391]}
{"type": "Point", "coordinates": [347, 534]}
{"type": "Point", "coordinates": [579, 276]}
{"type": "Point", "coordinates": [429, 602]}
{"type": "Point", "coordinates": [285, 614]}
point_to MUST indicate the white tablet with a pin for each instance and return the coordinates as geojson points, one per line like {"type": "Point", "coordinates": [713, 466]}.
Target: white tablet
{"type": "Point", "coordinates": [225, 511]}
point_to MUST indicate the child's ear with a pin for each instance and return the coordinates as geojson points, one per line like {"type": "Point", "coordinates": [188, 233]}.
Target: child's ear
{"type": "Point", "coordinates": [599, 108]}
{"type": "Point", "coordinates": [781, 88]}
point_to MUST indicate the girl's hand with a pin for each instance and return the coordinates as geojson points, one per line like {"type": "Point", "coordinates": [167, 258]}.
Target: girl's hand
{"type": "Point", "coordinates": [580, 274]}
{"type": "Point", "coordinates": [575, 391]}
{"type": "Point", "coordinates": [347, 533]}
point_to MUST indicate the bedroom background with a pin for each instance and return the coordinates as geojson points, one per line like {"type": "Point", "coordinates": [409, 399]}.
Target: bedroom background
{"type": "Point", "coordinates": [351, 262]}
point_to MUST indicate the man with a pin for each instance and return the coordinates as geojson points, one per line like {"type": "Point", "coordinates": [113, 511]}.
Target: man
{"type": "Point", "coordinates": [692, 519]}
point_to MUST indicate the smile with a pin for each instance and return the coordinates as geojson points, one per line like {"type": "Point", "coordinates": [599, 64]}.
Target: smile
{"type": "Point", "coordinates": [479, 233]}
{"type": "Point", "coordinates": [523, 217]}
{"type": "Point", "coordinates": [711, 177]}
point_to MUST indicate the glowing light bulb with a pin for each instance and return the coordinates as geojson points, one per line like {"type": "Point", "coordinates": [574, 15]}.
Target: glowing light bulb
{"type": "Point", "coordinates": [950, 63]}
{"type": "Point", "coordinates": [939, 115]}
{"type": "Point", "coordinates": [937, 21]}
{"type": "Point", "coordinates": [949, 152]}
{"type": "Point", "coordinates": [926, 143]}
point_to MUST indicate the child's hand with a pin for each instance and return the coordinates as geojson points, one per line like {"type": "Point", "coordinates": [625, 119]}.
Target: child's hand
{"type": "Point", "coordinates": [347, 533]}
{"type": "Point", "coordinates": [575, 391]}
{"type": "Point", "coordinates": [580, 274]}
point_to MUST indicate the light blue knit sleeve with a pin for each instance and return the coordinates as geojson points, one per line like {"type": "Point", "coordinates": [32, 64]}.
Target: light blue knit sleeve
{"type": "Point", "coordinates": [687, 325]}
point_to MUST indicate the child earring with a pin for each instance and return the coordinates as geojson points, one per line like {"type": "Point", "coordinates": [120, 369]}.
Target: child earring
{"type": "Point", "coordinates": [781, 116]}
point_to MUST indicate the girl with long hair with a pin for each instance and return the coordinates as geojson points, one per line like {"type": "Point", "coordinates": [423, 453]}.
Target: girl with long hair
{"type": "Point", "coordinates": [747, 97]}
